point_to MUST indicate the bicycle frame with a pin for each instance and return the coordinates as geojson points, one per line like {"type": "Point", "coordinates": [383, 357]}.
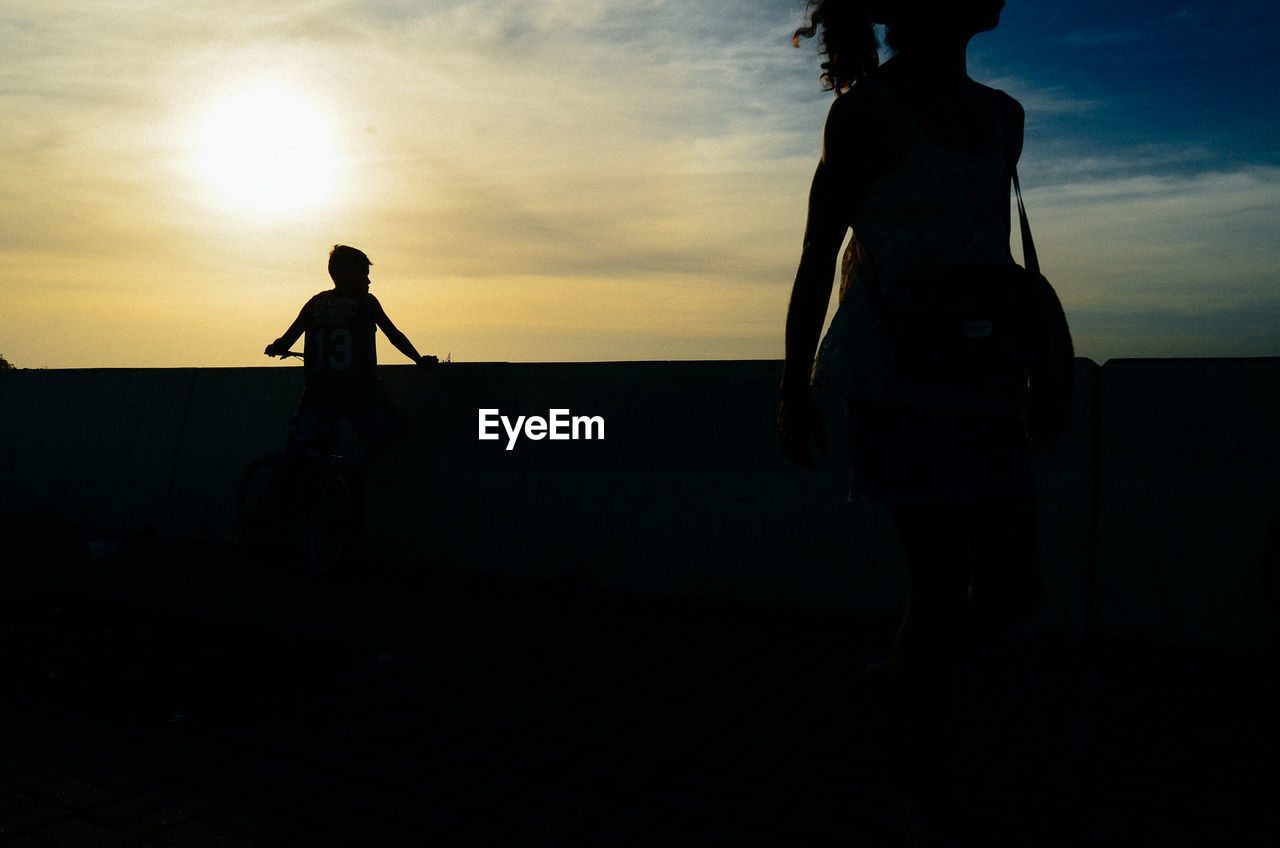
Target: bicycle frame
{"type": "Point", "coordinates": [322, 490]}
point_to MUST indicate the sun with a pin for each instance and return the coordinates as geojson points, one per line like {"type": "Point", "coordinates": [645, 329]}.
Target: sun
{"type": "Point", "coordinates": [267, 149]}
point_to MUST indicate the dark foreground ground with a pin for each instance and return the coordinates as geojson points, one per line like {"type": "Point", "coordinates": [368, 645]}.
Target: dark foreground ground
{"type": "Point", "coordinates": [185, 695]}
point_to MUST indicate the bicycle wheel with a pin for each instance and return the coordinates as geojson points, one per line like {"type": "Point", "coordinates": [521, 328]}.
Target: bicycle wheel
{"type": "Point", "coordinates": [260, 515]}
{"type": "Point", "coordinates": [333, 520]}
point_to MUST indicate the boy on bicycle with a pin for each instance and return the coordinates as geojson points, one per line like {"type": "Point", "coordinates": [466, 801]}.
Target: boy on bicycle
{"type": "Point", "coordinates": [340, 360]}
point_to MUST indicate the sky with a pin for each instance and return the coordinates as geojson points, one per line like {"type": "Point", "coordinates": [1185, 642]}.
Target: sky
{"type": "Point", "coordinates": [564, 180]}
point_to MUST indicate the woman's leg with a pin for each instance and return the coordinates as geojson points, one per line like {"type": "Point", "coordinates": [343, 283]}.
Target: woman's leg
{"type": "Point", "coordinates": [972, 569]}
{"type": "Point", "coordinates": [936, 539]}
{"type": "Point", "coordinates": [1005, 580]}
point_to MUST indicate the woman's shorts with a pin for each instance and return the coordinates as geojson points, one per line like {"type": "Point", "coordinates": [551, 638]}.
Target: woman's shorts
{"type": "Point", "coordinates": [901, 452]}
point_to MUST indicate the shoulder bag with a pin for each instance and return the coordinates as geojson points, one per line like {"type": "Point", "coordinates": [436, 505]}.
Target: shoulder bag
{"type": "Point", "coordinates": [955, 322]}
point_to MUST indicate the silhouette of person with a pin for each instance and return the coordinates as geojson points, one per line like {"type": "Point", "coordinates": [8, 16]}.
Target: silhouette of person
{"type": "Point", "coordinates": [916, 161]}
{"type": "Point", "coordinates": [340, 360]}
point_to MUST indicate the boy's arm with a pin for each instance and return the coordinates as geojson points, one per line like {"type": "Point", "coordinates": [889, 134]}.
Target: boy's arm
{"type": "Point", "coordinates": [281, 346]}
{"type": "Point", "coordinates": [397, 338]}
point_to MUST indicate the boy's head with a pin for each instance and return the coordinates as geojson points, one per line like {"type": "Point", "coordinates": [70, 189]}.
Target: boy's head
{"type": "Point", "coordinates": [348, 267]}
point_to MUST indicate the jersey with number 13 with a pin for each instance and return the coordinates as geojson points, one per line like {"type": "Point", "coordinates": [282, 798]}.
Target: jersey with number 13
{"type": "Point", "coordinates": [341, 355]}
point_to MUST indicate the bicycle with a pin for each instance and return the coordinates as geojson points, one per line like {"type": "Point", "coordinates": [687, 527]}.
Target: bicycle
{"type": "Point", "coordinates": [324, 492]}
{"type": "Point", "coordinates": [322, 489]}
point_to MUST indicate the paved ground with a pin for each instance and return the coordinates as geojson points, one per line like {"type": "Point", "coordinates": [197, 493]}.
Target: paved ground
{"type": "Point", "coordinates": [181, 695]}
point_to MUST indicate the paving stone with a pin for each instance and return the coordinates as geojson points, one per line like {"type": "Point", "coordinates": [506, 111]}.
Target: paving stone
{"type": "Point", "coordinates": [250, 821]}
{"type": "Point", "coordinates": [405, 820]}
{"type": "Point", "coordinates": [21, 842]}
{"type": "Point", "coordinates": [38, 766]}
{"type": "Point", "coordinates": [18, 739]}
{"type": "Point", "coordinates": [163, 753]}
{"type": "Point", "coordinates": [74, 793]}
{"type": "Point", "coordinates": [113, 776]}
{"type": "Point", "coordinates": [120, 747]}
{"type": "Point", "coordinates": [197, 834]}
{"type": "Point", "coordinates": [82, 834]}
{"type": "Point", "coordinates": [33, 817]}
{"type": "Point", "coordinates": [133, 807]}
{"type": "Point", "coordinates": [466, 786]}
{"type": "Point", "coordinates": [12, 801]}
{"type": "Point", "coordinates": [671, 722]}
{"type": "Point", "coordinates": [173, 813]}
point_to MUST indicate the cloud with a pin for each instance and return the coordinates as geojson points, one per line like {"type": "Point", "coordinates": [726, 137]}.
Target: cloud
{"type": "Point", "coordinates": [1163, 256]}
{"type": "Point", "coordinates": [650, 152]}
{"type": "Point", "coordinates": [1102, 38]}
{"type": "Point", "coordinates": [1231, 331]}
{"type": "Point", "coordinates": [1070, 160]}
{"type": "Point", "coordinates": [540, 180]}
{"type": "Point", "coordinates": [1041, 101]}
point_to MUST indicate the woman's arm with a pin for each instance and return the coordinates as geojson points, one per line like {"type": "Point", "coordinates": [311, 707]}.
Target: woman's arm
{"type": "Point", "coordinates": [798, 415]}
{"type": "Point", "coordinates": [836, 184]}
{"type": "Point", "coordinates": [811, 292]}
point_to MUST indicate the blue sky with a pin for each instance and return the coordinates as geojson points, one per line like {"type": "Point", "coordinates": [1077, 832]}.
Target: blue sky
{"type": "Point", "coordinates": [573, 180]}
{"type": "Point", "coordinates": [1194, 77]}
{"type": "Point", "coordinates": [1151, 165]}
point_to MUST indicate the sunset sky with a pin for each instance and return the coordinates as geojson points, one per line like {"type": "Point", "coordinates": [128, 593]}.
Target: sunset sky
{"type": "Point", "coordinates": [571, 180]}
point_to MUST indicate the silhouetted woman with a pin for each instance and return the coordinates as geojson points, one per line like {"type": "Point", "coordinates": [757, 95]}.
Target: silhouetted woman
{"type": "Point", "coordinates": [916, 161]}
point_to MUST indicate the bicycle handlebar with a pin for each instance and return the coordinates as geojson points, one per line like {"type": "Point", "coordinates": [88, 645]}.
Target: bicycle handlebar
{"type": "Point", "coordinates": [301, 355]}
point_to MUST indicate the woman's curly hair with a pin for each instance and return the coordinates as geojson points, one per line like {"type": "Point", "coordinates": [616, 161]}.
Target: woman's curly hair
{"type": "Point", "coordinates": [845, 36]}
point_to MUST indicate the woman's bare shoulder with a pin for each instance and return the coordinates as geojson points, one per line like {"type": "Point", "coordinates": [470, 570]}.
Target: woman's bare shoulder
{"type": "Point", "coordinates": [1012, 119]}
{"type": "Point", "coordinates": [1010, 108]}
{"type": "Point", "coordinates": [864, 101]}
{"type": "Point", "coordinates": [856, 118]}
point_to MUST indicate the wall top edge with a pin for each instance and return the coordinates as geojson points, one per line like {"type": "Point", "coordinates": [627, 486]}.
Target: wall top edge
{"type": "Point", "coordinates": [651, 363]}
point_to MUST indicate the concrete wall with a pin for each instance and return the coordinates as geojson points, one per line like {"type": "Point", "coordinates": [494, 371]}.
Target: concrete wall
{"type": "Point", "coordinates": [1152, 512]}
{"type": "Point", "coordinates": [1189, 487]}
{"type": "Point", "coordinates": [91, 447]}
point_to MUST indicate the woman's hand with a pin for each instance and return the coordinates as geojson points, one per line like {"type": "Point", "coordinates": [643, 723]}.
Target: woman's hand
{"type": "Point", "coordinates": [1047, 419]}
{"type": "Point", "coordinates": [799, 420]}
{"type": "Point", "coordinates": [1052, 392]}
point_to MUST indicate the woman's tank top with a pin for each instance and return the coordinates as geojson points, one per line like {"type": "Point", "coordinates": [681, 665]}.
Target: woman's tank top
{"type": "Point", "coordinates": [934, 207]}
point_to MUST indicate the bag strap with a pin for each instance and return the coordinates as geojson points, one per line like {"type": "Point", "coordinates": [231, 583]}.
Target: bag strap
{"type": "Point", "coordinates": [1029, 259]}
